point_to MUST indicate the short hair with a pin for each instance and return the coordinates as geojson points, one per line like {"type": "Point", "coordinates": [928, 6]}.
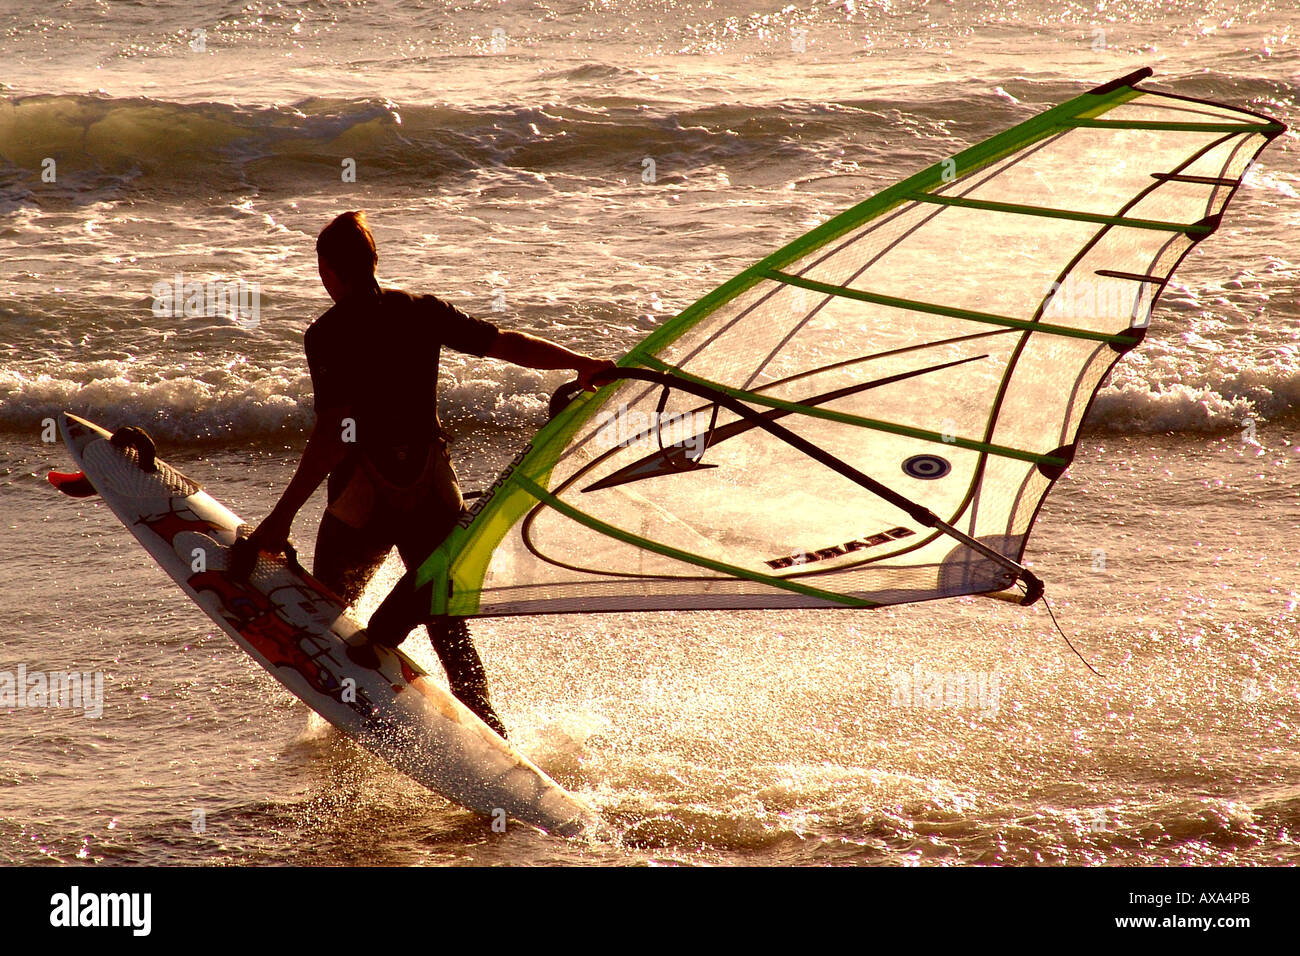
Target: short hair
{"type": "Point", "coordinates": [348, 247]}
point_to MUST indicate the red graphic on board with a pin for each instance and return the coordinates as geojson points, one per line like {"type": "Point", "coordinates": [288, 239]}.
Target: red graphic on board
{"type": "Point", "coordinates": [258, 618]}
{"type": "Point", "coordinates": [168, 526]}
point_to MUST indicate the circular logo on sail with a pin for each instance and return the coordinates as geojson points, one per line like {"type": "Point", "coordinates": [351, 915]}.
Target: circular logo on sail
{"type": "Point", "coordinates": [926, 467]}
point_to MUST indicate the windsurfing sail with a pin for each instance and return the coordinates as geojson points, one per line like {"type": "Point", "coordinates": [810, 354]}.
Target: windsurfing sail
{"type": "Point", "coordinates": [874, 413]}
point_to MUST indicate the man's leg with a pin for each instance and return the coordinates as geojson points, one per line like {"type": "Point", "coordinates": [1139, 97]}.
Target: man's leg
{"type": "Point", "coordinates": [346, 558]}
{"type": "Point", "coordinates": [451, 639]}
{"type": "Point", "coordinates": [407, 607]}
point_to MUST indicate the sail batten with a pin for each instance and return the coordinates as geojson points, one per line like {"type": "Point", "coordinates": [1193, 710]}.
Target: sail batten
{"type": "Point", "coordinates": [937, 309]}
{"type": "Point", "coordinates": [1186, 127]}
{"type": "Point", "coordinates": [1021, 209]}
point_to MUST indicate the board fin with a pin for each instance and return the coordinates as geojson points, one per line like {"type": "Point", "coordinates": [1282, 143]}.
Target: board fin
{"type": "Point", "coordinates": [74, 484]}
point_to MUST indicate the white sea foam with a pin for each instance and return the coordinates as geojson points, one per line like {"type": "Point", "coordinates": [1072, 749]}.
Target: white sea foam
{"type": "Point", "coordinates": [185, 408]}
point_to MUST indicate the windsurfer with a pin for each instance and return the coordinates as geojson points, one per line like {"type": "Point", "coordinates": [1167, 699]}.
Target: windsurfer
{"type": "Point", "coordinates": [373, 359]}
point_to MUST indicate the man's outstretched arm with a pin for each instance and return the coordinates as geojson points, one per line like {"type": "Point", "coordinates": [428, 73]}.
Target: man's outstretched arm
{"type": "Point", "coordinates": [529, 351]}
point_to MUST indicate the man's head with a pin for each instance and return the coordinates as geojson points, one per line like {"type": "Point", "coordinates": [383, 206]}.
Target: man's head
{"type": "Point", "coordinates": [346, 255]}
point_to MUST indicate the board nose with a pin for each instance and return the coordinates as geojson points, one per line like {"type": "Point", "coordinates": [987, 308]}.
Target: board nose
{"type": "Point", "coordinates": [71, 426]}
{"type": "Point", "coordinates": [77, 432]}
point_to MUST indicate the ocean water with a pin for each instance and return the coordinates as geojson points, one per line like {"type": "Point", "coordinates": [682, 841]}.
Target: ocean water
{"type": "Point", "coordinates": [499, 149]}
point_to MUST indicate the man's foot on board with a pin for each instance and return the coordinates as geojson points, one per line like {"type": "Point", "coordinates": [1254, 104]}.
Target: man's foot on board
{"type": "Point", "coordinates": [361, 652]}
{"type": "Point", "coordinates": [362, 649]}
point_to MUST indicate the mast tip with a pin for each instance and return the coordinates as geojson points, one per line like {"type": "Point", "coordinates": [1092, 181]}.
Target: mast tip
{"type": "Point", "coordinates": [1123, 81]}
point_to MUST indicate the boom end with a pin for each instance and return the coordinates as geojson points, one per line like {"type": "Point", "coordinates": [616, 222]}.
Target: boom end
{"type": "Point", "coordinates": [1033, 588]}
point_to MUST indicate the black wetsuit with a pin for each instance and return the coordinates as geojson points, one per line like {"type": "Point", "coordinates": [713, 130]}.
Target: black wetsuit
{"type": "Point", "coordinates": [374, 360]}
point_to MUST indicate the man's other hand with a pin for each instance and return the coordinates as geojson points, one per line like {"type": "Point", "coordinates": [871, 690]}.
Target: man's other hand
{"type": "Point", "coordinates": [271, 535]}
{"type": "Point", "coordinates": [592, 369]}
